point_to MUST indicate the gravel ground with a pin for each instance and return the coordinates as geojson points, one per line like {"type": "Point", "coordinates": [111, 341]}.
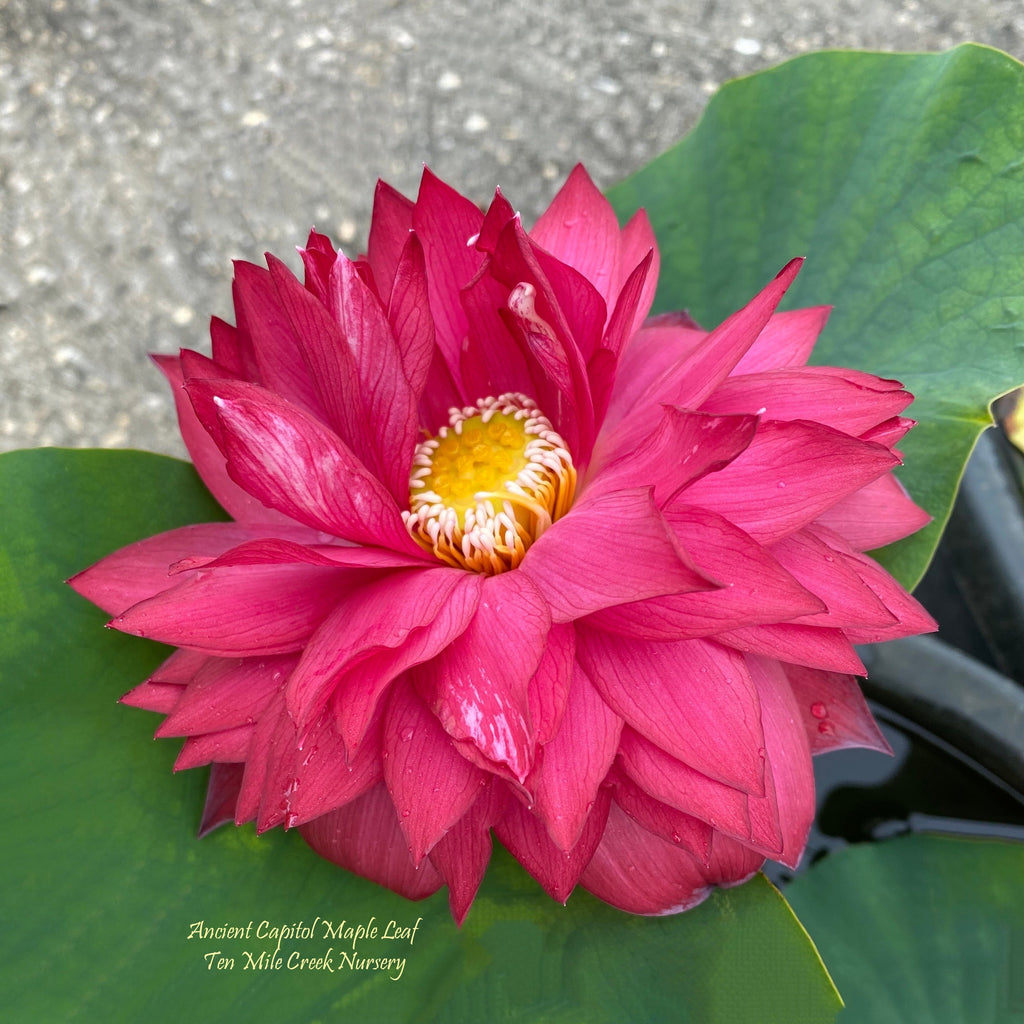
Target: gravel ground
{"type": "Point", "coordinates": [144, 144]}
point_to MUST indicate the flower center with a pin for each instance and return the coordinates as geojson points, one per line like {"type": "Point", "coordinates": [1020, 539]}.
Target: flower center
{"type": "Point", "coordinates": [489, 484]}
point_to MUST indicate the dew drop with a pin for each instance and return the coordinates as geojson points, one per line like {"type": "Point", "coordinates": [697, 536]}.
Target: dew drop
{"type": "Point", "coordinates": [676, 837]}
{"type": "Point", "coordinates": [782, 484]}
{"type": "Point", "coordinates": [407, 734]}
{"type": "Point", "coordinates": [406, 812]}
{"type": "Point", "coordinates": [819, 710]}
{"type": "Point", "coordinates": [826, 728]}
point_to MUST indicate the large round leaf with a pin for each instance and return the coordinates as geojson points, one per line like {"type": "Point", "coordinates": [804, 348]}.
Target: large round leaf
{"type": "Point", "coordinates": [104, 880]}
{"type": "Point", "coordinates": [921, 928]}
{"type": "Point", "coordinates": [900, 178]}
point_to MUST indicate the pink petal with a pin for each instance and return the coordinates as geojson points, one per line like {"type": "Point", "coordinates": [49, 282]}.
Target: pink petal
{"type": "Point", "coordinates": [621, 325]}
{"type": "Point", "coordinates": [788, 476]}
{"type": "Point", "coordinates": [786, 340]}
{"type": "Point", "coordinates": [228, 746]}
{"type": "Point", "coordinates": [164, 688]}
{"type": "Point", "coordinates": [693, 699]}
{"type": "Point", "coordinates": [670, 824]}
{"type": "Point", "coordinates": [207, 457]}
{"type": "Point", "coordinates": [493, 362]}
{"type": "Point", "coordinates": [831, 575]}
{"type": "Point", "coordinates": [813, 646]}
{"type": "Point", "coordinates": [374, 634]}
{"type": "Point", "coordinates": [320, 342]}
{"type": "Point", "coordinates": [754, 588]}
{"type": "Point", "coordinates": [645, 358]}
{"type": "Point", "coordinates": [317, 257]}
{"type": "Point", "coordinates": [153, 695]}
{"type": "Point", "coordinates": [478, 685]}
{"type": "Point", "coordinates": [560, 380]}
{"type": "Point", "coordinates": [498, 214]}
{"type": "Point", "coordinates": [890, 432]}
{"type": "Point", "coordinates": [447, 224]}
{"type": "Point", "coordinates": [277, 551]}
{"type": "Point", "coordinates": [678, 785]}
{"type": "Point", "coordinates": [878, 513]}
{"type": "Point", "coordinates": [580, 228]}
{"type": "Point", "coordinates": [560, 318]}
{"type": "Point", "coordinates": [235, 612]}
{"type": "Point", "coordinates": [409, 316]}
{"type": "Point", "coordinates": [269, 768]}
{"type": "Point", "coordinates": [627, 550]}
{"type": "Point", "coordinates": [226, 693]}
{"type": "Point", "coordinates": [228, 351]}
{"type": "Point", "coordinates": [635, 243]}
{"type": "Point", "coordinates": [292, 462]}
{"type": "Point", "coordinates": [365, 837]}
{"type": "Point", "coordinates": [834, 712]}
{"type": "Point", "coordinates": [388, 401]}
{"type": "Point", "coordinates": [326, 777]}
{"type": "Point", "coordinates": [731, 862]}
{"type": "Point", "coordinates": [181, 667]}
{"type": "Point", "coordinates": [268, 321]}
{"type": "Point", "coordinates": [676, 448]}
{"type": "Point", "coordinates": [526, 838]}
{"type": "Point", "coordinates": [462, 854]}
{"type": "Point", "coordinates": [638, 872]}
{"type": "Point", "coordinates": [142, 570]}
{"type": "Point", "coordinates": [389, 231]}
{"type": "Point", "coordinates": [696, 375]}
{"type": "Point", "coordinates": [221, 796]}
{"type": "Point", "coordinates": [575, 763]}
{"type": "Point", "coordinates": [789, 755]}
{"type": "Point", "coordinates": [581, 304]}
{"type": "Point", "coordinates": [845, 400]}
{"type": "Point", "coordinates": [549, 687]}
{"type": "Point", "coordinates": [911, 617]}
{"type": "Point", "coordinates": [430, 783]}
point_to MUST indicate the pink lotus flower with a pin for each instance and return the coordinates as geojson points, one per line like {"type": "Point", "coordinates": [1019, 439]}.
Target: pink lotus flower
{"type": "Point", "coordinates": [506, 558]}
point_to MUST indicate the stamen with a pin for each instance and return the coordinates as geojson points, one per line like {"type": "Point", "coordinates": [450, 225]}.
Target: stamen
{"type": "Point", "coordinates": [489, 484]}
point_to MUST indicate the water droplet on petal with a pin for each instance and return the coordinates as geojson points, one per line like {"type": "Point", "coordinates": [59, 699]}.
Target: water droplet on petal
{"type": "Point", "coordinates": [407, 734]}
{"type": "Point", "coordinates": [406, 813]}
{"type": "Point", "coordinates": [676, 837]}
{"type": "Point", "coordinates": [819, 710]}
{"type": "Point", "coordinates": [782, 483]}
{"type": "Point", "coordinates": [826, 728]}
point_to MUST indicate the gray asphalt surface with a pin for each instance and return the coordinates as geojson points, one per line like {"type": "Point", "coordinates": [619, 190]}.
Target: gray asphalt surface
{"type": "Point", "coordinates": [144, 144]}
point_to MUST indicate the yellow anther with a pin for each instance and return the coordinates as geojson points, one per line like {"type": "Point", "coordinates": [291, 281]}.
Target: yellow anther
{"type": "Point", "coordinates": [489, 484]}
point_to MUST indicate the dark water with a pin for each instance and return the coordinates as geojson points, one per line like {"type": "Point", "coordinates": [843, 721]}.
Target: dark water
{"type": "Point", "coordinates": [926, 786]}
